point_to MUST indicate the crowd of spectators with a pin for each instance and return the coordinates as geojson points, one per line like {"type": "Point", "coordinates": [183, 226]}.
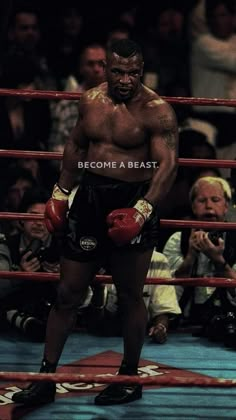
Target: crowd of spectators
{"type": "Point", "coordinates": [189, 49]}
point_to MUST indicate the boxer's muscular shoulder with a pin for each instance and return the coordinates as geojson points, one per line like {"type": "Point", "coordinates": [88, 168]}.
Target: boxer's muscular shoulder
{"type": "Point", "coordinates": [96, 94]}
{"type": "Point", "coordinates": [156, 110]}
{"type": "Point", "coordinates": [159, 107]}
{"type": "Point", "coordinates": [151, 100]}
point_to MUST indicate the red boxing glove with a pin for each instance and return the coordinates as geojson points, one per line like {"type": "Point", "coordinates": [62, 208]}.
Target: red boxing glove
{"type": "Point", "coordinates": [56, 209]}
{"type": "Point", "coordinates": [125, 224]}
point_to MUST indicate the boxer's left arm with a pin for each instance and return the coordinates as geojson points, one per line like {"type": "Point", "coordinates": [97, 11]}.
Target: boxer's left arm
{"type": "Point", "coordinates": [125, 224]}
{"type": "Point", "coordinates": [163, 150]}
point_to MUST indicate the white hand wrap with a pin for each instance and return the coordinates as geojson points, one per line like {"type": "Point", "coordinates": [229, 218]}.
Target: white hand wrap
{"type": "Point", "coordinates": [59, 193]}
{"type": "Point", "coordinates": [144, 207]}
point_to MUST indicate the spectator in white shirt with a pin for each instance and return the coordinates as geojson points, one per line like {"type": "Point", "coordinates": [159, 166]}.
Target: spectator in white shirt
{"type": "Point", "coordinates": [213, 68]}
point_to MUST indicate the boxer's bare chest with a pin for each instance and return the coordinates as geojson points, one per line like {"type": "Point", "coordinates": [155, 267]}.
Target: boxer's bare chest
{"type": "Point", "coordinates": [116, 124]}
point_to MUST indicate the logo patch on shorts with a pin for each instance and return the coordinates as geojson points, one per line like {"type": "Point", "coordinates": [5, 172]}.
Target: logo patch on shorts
{"type": "Point", "coordinates": [88, 243]}
{"type": "Point", "coordinates": [136, 240]}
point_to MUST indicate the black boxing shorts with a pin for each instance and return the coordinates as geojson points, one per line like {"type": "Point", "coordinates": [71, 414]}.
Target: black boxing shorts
{"type": "Point", "coordinates": [86, 237]}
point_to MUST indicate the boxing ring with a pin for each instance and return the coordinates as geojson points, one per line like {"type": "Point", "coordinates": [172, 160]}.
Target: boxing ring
{"type": "Point", "coordinates": [186, 378]}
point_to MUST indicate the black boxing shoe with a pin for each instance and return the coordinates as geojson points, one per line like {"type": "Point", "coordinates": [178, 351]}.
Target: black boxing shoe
{"type": "Point", "coordinates": [118, 394]}
{"type": "Point", "coordinates": [36, 393]}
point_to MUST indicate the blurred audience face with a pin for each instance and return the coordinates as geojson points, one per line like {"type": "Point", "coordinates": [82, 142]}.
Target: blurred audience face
{"type": "Point", "coordinates": [31, 165]}
{"type": "Point", "coordinates": [35, 229]}
{"type": "Point", "coordinates": [16, 192]}
{"type": "Point", "coordinates": [222, 22]}
{"type": "Point", "coordinates": [209, 202]}
{"type": "Point", "coordinates": [169, 25]}
{"type": "Point", "coordinates": [128, 16]}
{"type": "Point", "coordinates": [202, 151]}
{"type": "Point", "coordinates": [92, 66]}
{"type": "Point", "coordinates": [116, 35]}
{"type": "Point", "coordinates": [25, 33]}
{"type": "Point", "coordinates": [72, 22]}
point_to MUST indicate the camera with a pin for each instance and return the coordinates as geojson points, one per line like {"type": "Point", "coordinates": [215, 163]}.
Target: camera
{"type": "Point", "coordinates": [32, 327]}
{"type": "Point", "coordinates": [222, 327]}
{"type": "Point", "coordinates": [214, 236]}
{"type": "Point", "coordinates": [50, 254]}
{"type": "Point", "coordinates": [37, 249]}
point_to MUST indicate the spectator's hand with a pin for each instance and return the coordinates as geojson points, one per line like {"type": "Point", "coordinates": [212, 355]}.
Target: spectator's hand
{"type": "Point", "coordinates": [31, 265]}
{"type": "Point", "coordinates": [158, 333]}
{"type": "Point", "coordinates": [206, 246]}
{"type": "Point", "coordinates": [50, 267]}
{"type": "Point", "coordinates": [194, 247]}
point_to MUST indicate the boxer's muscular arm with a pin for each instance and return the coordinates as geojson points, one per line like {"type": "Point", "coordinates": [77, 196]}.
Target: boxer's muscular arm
{"type": "Point", "coordinates": [75, 151]}
{"type": "Point", "coordinates": [163, 148]}
{"type": "Point", "coordinates": [125, 224]}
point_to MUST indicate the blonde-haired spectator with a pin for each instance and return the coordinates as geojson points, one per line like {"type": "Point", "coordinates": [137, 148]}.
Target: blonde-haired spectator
{"type": "Point", "coordinates": [204, 252]}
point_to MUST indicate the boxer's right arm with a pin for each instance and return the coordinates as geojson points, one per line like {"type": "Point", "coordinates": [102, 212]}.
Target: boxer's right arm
{"type": "Point", "coordinates": [75, 151]}
{"type": "Point", "coordinates": [56, 209]}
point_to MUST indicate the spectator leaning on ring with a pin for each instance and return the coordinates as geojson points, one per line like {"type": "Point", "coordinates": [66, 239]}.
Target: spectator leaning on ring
{"type": "Point", "coordinates": [160, 300]}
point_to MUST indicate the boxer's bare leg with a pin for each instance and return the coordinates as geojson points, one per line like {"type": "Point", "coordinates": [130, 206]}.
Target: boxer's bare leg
{"type": "Point", "coordinates": [129, 270]}
{"type": "Point", "coordinates": [75, 279]}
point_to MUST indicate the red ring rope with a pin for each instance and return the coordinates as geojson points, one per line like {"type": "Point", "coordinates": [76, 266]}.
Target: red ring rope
{"type": "Point", "coordinates": [53, 94]}
{"type": "Point", "coordinates": [163, 222]}
{"type": "Point", "coordinates": [198, 224]}
{"type": "Point", "coordinates": [187, 281]}
{"type": "Point", "coordinates": [25, 154]}
{"type": "Point", "coordinates": [162, 380]}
